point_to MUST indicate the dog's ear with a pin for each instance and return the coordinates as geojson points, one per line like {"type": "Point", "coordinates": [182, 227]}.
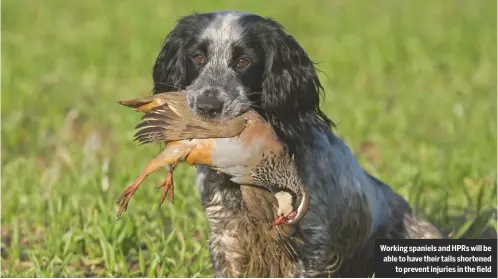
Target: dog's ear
{"type": "Point", "coordinates": [169, 71]}
{"type": "Point", "coordinates": [290, 98]}
{"type": "Point", "coordinates": [291, 86]}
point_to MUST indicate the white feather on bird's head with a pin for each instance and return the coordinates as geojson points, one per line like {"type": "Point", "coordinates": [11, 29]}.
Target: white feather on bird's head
{"type": "Point", "coordinates": [287, 213]}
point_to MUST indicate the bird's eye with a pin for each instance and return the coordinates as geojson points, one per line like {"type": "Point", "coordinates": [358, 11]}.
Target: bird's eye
{"type": "Point", "coordinates": [242, 63]}
{"type": "Point", "coordinates": [199, 59]}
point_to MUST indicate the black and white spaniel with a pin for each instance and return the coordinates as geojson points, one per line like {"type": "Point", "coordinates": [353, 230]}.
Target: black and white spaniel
{"type": "Point", "coordinates": [228, 62]}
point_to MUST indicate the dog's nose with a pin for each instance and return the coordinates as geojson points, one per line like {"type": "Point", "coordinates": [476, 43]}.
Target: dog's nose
{"type": "Point", "coordinates": [208, 103]}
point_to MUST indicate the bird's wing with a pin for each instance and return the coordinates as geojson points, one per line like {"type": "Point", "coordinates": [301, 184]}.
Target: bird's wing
{"type": "Point", "coordinates": [167, 118]}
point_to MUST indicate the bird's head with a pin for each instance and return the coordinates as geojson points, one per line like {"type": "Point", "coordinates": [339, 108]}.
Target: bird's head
{"type": "Point", "coordinates": [289, 210]}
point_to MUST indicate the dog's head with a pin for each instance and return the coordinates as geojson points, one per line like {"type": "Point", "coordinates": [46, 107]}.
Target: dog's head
{"type": "Point", "coordinates": [229, 62]}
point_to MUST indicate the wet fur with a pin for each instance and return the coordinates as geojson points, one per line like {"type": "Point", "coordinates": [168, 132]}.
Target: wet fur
{"type": "Point", "coordinates": [348, 208]}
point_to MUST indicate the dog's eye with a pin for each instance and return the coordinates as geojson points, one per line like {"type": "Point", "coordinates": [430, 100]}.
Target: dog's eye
{"type": "Point", "coordinates": [199, 59]}
{"type": "Point", "coordinates": [242, 63]}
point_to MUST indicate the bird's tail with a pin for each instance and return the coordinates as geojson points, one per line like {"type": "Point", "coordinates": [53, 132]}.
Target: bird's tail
{"type": "Point", "coordinates": [148, 103]}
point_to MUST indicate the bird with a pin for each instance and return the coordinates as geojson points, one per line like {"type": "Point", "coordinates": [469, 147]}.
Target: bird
{"type": "Point", "coordinates": [245, 147]}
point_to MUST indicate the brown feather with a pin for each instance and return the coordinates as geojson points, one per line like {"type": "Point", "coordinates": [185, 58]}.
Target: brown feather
{"type": "Point", "coordinates": [167, 118]}
{"type": "Point", "coordinates": [257, 202]}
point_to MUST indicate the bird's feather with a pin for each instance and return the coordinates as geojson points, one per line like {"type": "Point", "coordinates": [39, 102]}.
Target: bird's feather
{"type": "Point", "coordinates": [167, 118]}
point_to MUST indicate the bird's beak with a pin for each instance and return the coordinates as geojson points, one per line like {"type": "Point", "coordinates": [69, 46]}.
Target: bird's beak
{"type": "Point", "coordinates": [279, 221]}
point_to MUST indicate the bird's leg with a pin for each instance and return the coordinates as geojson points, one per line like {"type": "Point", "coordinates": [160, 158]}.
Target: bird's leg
{"type": "Point", "coordinates": [173, 153]}
{"type": "Point", "coordinates": [124, 199]}
{"type": "Point", "coordinates": [168, 186]}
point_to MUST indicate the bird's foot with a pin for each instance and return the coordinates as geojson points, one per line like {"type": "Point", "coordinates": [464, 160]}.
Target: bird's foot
{"type": "Point", "coordinates": [168, 187]}
{"type": "Point", "coordinates": [125, 198]}
{"type": "Point", "coordinates": [169, 158]}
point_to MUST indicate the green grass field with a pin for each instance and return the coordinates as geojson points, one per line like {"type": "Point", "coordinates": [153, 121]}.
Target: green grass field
{"type": "Point", "coordinates": [412, 85]}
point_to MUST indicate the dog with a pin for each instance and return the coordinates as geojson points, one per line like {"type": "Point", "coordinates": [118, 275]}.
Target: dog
{"type": "Point", "coordinates": [229, 62]}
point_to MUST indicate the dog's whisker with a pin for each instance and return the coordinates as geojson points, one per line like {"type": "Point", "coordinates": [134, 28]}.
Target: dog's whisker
{"type": "Point", "coordinates": [175, 86]}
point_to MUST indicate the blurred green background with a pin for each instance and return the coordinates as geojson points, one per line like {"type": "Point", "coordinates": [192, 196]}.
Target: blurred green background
{"type": "Point", "coordinates": [412, 85]}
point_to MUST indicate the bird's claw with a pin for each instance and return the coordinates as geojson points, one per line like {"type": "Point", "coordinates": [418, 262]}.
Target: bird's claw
{"type": "Point", "coordinates": [168, 187]}
{"type": "Point", "coordinates": [125, 198]}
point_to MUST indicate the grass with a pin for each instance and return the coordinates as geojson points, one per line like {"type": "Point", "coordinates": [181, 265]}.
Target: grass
{"type": "Point", "coordinates": [412, 85]}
